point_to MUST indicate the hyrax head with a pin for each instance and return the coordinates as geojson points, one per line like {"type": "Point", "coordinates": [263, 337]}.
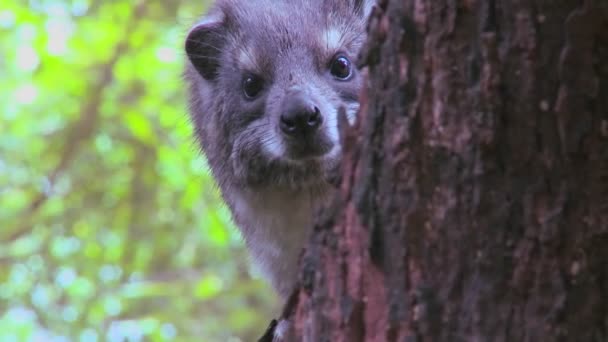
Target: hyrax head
{"type": "Point", "coordinates": [267, 81]}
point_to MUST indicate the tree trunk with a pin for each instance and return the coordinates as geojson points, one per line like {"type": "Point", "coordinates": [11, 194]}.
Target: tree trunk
{"type": "Point", "coordinates": [474, 198]}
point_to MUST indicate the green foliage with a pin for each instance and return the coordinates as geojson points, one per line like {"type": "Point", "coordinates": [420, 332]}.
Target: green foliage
{"type": "Point", "coordinates": [110, 225]}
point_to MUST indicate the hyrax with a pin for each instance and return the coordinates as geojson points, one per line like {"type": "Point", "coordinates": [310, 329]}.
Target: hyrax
{"type": "Point", "coordinates": [267, 79]}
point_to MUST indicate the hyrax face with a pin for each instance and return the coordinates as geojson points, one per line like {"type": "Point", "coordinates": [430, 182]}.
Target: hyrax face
{"type": "Point", "coordinates": [267, 81]}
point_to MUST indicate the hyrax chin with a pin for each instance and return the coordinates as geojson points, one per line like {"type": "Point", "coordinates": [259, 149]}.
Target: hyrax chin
{"type": "Point", "coordinates": [267, 78]}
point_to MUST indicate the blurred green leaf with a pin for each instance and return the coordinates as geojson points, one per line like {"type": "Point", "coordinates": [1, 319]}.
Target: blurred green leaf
{"type": "Point", "coordinates": [140, 127]}
{"type": "Point", "coordinates": [208, 287]}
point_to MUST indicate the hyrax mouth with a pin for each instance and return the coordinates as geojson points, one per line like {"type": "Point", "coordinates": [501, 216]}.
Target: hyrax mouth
{"type": "Point", "coordinates": [315, 148]}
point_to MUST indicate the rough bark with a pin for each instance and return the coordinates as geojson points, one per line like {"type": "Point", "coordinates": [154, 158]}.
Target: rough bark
{"type": "Point", "coordinates": [474, 199]}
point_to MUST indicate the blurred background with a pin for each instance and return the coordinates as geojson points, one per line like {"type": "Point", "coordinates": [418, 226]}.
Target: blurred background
{"type": "Point", "coordinates": [111, 228]}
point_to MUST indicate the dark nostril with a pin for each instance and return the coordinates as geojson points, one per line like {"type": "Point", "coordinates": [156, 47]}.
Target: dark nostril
{"type": "Point", "coordinates": [287, 124]}
{"type": "Point", "coordinates": [314, 118]}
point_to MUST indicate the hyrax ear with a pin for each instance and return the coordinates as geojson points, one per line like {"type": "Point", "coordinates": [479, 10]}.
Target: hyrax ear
{"type": "Point", "coordinates": [204, 44]}
{"type": "Point", "coordinates": [364, 7]}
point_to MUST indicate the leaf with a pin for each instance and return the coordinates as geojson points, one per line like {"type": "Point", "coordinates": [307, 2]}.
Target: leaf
{"type": "Point", "coordinates": [140, 127]}
{"type": "Point", "coordinates": [208, 287]}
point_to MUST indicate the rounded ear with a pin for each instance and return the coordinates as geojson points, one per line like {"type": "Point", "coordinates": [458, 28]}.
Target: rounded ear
{"type": "Point", "coordinates": [204, 45]}
{"type": "Point", "coordinates": [364, 7]}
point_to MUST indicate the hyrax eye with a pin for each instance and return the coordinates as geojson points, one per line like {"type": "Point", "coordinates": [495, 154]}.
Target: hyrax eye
{"type": "Point", "coordinates": [252, 86]}
{"type": "Point", "coordinates": [341, 67]}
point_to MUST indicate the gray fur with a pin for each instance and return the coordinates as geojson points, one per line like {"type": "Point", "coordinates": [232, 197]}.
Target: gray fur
{"type": "Point", "coordinates": [272, 194]}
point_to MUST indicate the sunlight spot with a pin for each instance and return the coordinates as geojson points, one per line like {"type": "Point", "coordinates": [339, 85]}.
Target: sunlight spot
{"type": "Point", "coordinates": [26, 58]}
{"type": "Point", "coordinates": [56, 9]}
{"type": "Point", "coordinates": [79, 7]}
{"type": "Point", "coordinates": [70, 314]}
{"type": "Point", "coordinates": [7, 19]}
{"type": "Point", "coordinates": [41, 296]}
{"type": "Point", "coordinates": [103, 143]}
{"type": "Point", "coordinates": [125, 330]}
{"type": "Point", "coordinates": [59, 31]}
{"type": "Point", "coordinates": [26, 32]}
{"type": "Point", "coordinates": [65, 277]}
{"type": "Point", "coordinates": [26, 94]}
{"type": "Point", "coordinates": [112, 306]}
{"type": "Point", "coordinates": [35, 263]}
{"type": "Point", "coordinates": [136, 277]}
{"type": "Point", "coordinates": [63, 247]}
{"type": "Point", "coordinates": [168, 331]}
{"type": "Point", "coordinates": [58, 339]}
{"type": "Point", "coordinates": [166, 54]}
{"type": "Point", "coordinates": [19, 274]}
{"type": "Point", "coordinates": [21, 315]}
{"type": "Point", "coordinates": [88, 335]}
{"type": "Point", "coordinates": [40, 335]}
{"type": "Point", "coordinates": [109, 273]}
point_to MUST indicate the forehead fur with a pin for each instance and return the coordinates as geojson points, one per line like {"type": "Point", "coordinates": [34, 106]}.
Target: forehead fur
{"type": "Point", "coordinates": [263, 29]}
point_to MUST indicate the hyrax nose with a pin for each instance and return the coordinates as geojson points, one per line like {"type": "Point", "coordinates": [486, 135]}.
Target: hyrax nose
{"type": "Point", "coordinates": [300, 116]}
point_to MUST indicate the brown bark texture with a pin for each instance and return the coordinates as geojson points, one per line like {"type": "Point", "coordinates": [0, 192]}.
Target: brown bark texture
{"type": "Point", "coordinates": [474, 199]}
